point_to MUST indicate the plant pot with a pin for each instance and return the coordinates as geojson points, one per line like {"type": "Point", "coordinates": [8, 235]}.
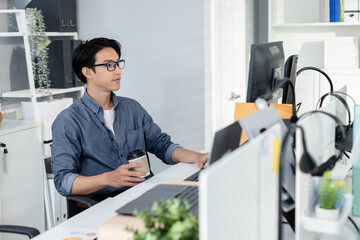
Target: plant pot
{"type": "Point", "coordinates": [327, 214]}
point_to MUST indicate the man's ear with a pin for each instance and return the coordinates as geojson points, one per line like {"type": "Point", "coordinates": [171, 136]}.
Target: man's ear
{"type": "Point", "coordinates": [87, 72]}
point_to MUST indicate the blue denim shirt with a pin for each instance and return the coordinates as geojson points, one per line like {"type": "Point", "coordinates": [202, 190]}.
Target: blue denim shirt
{"type": "Point", "coordinates": [83, 145]}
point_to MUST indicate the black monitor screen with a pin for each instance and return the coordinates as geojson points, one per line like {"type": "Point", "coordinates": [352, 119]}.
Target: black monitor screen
{"type": "Point", "coordinates": [290, 69]}
{"type": "Point", "coordinates": [266, 65]}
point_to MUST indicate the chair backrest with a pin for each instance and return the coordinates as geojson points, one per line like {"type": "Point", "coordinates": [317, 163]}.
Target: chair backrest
{"type": "Point", "coordinates": [28, 231]}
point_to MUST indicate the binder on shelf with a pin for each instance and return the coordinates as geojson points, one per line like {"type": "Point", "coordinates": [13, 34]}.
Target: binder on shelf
{"type": "Point", "coordinates": [341, 11]}
{"type": "Point", "coordinates": [61, 73]}
{"type": "Point", "coordinates": [324, 11]}
{"type": "Point", "coordinates": [351, 11]}
{"type": "Point", "coordinates": [59, 15]}
{"type": "Point", "coordinates": [334, 10]}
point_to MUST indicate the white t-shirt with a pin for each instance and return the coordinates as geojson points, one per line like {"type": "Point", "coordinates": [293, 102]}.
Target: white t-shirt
{"type": "Point", "coordinates": [109, 116]}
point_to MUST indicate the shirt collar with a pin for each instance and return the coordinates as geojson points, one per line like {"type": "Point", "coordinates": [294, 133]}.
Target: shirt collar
{"type": "Point", "coordinates": [93, 106]}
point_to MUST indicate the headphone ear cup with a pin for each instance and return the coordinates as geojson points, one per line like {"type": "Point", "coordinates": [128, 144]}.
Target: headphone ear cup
{"type": "Point", "coordinates": [307, 163]}
{"type": "Point", "coordinates": [338, 135]}
{"type": "Point", "coordinates": [328, 165]}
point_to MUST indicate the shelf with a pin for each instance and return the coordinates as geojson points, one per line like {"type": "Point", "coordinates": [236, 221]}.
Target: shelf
{"type": "Point", "coordinates": [61, 34]}
{"type": "Point", "coordinates": [324, 24]}
{"type": "Point", "coordinates": [48, 34]}
{"type": "Point", "coordinates": [313, 224]}
{"type": "Point", "coordinates": [11, 34]}
{"type": "Point", "coordinates": [26, 93]}
{"type": "Point", "coordinates": [11, 10]}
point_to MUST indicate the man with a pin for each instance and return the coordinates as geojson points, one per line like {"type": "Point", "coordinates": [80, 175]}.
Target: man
{"type": "Point", "coordinates": [91, 139]}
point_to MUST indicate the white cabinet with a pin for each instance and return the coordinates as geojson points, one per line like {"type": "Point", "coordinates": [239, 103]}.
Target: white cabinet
{"type": "Point", "coordinates": [35, 96]}
{"type": "Point", "coordinates": [297, 24]}
{"type": "Point", "coordinates": [21, 175]}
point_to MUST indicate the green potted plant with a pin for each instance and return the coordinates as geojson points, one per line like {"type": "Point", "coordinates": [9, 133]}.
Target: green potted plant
{"type": "Point", "coordinates": [172, 222]}
{"type": "Point", "coordinates": [330, 197]}
{"type": "Point", "coordinates": [38, 47]}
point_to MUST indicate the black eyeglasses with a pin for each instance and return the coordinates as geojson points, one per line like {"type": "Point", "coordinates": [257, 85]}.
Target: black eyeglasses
{"type": "Point", "coordinates": [111, 66]}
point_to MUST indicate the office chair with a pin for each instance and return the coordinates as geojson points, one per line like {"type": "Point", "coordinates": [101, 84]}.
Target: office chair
{"type": "Point", "coordinates": [72, 204]}
{"type": "Point", "coordinates": [28, 231]}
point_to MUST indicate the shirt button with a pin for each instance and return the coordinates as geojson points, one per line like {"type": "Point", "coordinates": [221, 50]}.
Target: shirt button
{"type": "Point", "coordinates": [121, 155]}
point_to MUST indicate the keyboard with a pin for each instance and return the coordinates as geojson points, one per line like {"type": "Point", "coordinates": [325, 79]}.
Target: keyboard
{"type": "Point", "coordinates": [193, 178]}
{"type": "Point", "coordinates": [190, 194]}
{"type": "Point", "coordinates": [164, 192]}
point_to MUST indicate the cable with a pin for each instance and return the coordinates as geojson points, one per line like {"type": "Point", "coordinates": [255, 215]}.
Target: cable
{"type": "Point", "coordinates": [352, 221]}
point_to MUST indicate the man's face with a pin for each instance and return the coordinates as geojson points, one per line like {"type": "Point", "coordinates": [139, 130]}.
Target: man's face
{"type": "Point", "coordinates": [99, 77]}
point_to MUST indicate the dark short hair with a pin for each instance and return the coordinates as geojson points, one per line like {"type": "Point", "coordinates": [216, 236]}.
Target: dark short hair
{"type": "Point", "coordinates": [84, 54]}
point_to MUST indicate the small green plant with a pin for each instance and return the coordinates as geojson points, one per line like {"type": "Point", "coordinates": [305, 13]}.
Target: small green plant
{"type": "Point", "coordinates": [172, 222]}
{"type": "Point", "coordinates": [38, 47]}
{"type": "Point", "coordinates": [331, 192]}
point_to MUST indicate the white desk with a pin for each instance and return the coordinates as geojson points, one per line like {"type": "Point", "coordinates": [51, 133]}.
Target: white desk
{"type": "Point", "coordinates": [93, 217]}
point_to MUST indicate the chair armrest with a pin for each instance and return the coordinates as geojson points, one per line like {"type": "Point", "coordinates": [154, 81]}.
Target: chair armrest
{"type": "Point", "coordinates": [28, 231]}
{"type": "Point", "coordinates": [84, 200]}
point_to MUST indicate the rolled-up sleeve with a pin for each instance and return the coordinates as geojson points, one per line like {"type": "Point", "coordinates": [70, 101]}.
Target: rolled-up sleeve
{"type": "Point", "coordinates": [65, 153]}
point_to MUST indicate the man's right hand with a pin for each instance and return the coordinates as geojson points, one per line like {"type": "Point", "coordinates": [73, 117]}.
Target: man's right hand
{"type": "Point", "coordinates": [124, 177]}
{"type": "Point", "coordinates": [120, 177]}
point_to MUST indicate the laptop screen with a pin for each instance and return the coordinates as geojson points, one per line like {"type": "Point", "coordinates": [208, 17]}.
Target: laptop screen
{"type": "Point", "coordinates": [225, 141]}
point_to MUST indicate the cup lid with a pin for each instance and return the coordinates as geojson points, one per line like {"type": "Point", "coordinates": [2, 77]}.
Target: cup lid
{"type": "Point", "coordinates": [135, 154]}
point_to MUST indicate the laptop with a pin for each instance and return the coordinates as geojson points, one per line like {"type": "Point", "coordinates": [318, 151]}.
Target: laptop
{"type": "Point", "coordinates": [163, 192]}
{"type": "Point", "coordinates": [225, 141]}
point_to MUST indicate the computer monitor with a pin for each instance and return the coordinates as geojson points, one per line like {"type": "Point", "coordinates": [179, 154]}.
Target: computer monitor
{"type": "Point", "coordinates": [266, 65]}
{"type": "Point", "coordinates": [290, 69]}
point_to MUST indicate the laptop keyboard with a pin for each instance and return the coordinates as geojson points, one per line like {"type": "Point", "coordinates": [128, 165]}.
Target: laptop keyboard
{"type": "Point", "coordinates": [194, 177]}
{"type": "Point", "coordinates": [164, 192]}
{"type": "Point", "coordinates": [190, 194]}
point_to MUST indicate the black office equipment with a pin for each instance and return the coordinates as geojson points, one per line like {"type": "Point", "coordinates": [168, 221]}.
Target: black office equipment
{"type": "Point", "coordinates": [74, 45]}
{"type": "Point", "coordinates": [59, 15]}
{"type": "Point", "coordinates": [225, 141]}
{"type": "Point", "coordinates": [163, 192]}
{"type": "Point", "coordinates": [290, 69]}
{"type": "Point", "coordinates": [61, 73]}
{"type": "Point", "coordinates": [266, 66]}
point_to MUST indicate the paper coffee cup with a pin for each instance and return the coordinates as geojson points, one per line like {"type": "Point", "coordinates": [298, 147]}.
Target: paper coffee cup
{"type": "Point", "coordinates": [140, 157]}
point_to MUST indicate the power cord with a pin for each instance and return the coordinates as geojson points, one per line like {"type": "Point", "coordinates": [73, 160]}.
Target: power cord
{"type": "Point", "coordinates": [352, 221]}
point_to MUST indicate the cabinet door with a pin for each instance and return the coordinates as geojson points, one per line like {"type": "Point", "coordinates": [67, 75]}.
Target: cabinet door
{"type": "Point", "coordinates": [21, 180]}
{"type": "Point", "coordinates": [307, 91]}
{"type": "Point", "coordinates": [350, 79]}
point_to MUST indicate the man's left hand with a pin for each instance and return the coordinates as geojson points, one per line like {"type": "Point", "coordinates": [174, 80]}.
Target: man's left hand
{"type": "Point", "coordinates": [202, 159]}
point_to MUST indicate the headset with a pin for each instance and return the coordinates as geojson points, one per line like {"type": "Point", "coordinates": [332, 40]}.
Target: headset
{"type": "Point", "coordinates": [348, 128]}
{"type": "Point", "coordinates": [307, 163]}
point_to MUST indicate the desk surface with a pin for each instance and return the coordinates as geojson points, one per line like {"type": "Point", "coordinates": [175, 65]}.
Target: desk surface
{"type": "Point", "coordinates": [93, 217]}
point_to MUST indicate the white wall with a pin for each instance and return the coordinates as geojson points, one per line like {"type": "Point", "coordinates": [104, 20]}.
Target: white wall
{"type": "Point", "coordinates": [163, 45]}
